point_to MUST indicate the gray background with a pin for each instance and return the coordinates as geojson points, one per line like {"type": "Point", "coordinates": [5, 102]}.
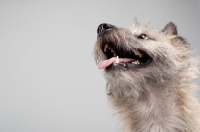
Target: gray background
{"type": "Point", "coordinates": [49, 81]}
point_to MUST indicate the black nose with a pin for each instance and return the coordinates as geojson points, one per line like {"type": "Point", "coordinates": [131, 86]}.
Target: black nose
{"type": "Point", "coordinates": [102, 28]}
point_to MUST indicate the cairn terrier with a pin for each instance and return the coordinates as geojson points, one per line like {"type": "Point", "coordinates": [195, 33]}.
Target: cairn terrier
{"type": "Point", "coordinates": [148, 75]}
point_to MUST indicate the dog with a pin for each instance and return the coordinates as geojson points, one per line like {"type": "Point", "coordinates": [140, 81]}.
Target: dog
{"type": "Point", "coordinates": [148, 75]}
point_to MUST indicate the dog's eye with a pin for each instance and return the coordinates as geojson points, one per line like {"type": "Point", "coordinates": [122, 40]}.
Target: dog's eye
{"type": "Point", "coordinates": [143, 36]}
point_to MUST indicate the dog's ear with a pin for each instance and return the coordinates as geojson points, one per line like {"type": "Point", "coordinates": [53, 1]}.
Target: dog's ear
{"type": "Point", "coordinates": [170, 28]}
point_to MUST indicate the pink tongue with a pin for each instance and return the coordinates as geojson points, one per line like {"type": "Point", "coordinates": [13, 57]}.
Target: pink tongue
{"type": "Point", "coordinates": [108, 62]}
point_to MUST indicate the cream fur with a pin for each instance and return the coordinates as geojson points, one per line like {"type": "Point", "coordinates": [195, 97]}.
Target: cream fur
{"type": "Point", "coordinates": [159, 97]}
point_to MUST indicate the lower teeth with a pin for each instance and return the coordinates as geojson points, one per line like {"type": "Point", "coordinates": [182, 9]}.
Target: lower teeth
{"type": "Point", "coordinates": [127, 64]}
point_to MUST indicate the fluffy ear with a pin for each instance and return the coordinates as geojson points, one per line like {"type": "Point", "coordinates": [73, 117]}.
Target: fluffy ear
{"type": "Point", "coordinates": [170, 28]}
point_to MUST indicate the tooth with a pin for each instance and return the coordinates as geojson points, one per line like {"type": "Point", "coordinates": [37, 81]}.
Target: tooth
{"type": "Point", "coordinates": [138, 53]}
{"type": "Point", "coordinates": [105, 48]}
{"type": "Point", "coordinates": [136, 62]}
{"type": "Point", "coordinates": [117, 59]}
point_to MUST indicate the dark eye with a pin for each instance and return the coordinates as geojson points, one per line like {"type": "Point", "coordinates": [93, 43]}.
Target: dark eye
{"type": "Point", "coordinates": [143, 36]}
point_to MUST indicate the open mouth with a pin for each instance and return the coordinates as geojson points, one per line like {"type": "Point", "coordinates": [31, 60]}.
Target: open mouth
{"type": "Point", "coordinates": [119, 56]}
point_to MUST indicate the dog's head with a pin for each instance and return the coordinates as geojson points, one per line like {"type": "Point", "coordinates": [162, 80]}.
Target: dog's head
{"type": "Point", "coordinates": [141, 56]}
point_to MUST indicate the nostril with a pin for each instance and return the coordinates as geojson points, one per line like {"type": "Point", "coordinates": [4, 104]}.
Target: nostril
{"type": "Point", "coordinates": [103, 27]}
{"type": "Point", "coordinates": [106, 26]}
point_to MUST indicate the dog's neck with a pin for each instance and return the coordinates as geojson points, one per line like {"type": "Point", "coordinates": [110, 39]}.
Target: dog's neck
{"type": "Point", "coordinates": [148, 110]}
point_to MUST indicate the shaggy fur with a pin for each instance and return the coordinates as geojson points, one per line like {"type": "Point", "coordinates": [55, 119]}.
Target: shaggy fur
{"type": "Point", "coordinates": [160, 96]}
